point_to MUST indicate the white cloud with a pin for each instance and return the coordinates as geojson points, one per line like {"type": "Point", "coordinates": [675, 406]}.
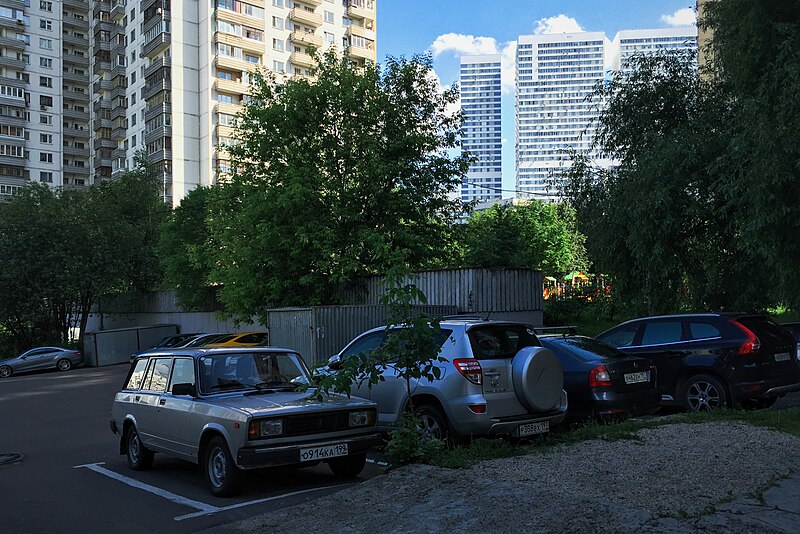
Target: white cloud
{"type": "Point", "coordinates": [558, 24]}
{"type": "Point", "coordinates": [463, 45]}
{"type": "Point", "coordinates": [682, 17]}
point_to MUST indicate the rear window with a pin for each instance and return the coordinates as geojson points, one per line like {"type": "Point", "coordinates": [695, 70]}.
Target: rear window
{"type": "Point", "coordinates": [586, 349]}
{"type": "Point", "coordinates": [766, 330]}
{"type": "Point", "coordinates": [500, 341]}
{"type": "Point", "coordinates": [703, 330]}
{"type": "Point", "coordinates": [137, 374]}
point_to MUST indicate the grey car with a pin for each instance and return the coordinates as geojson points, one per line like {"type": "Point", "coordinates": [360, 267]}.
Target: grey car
{"type": "Point", "coordinates": [497, 380]}
{"type": "Point", "coordinates": [236, 409]}
{"type": "Point", "coordinates": [41, 358]}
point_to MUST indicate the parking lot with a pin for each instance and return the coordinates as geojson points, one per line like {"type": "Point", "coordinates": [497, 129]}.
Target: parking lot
{"type": "Point", "coordinates": [71, 477]}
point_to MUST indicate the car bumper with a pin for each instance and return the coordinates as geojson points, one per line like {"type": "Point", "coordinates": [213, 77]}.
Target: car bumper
{"type": "Point", "coordinates": [511, 426]}
{"type": "Point", "coordinates": [610, 403]}
{"type": "Point", "coordinates": [763, 389]}
{"type": "Point", "coordinates": [260, 456]}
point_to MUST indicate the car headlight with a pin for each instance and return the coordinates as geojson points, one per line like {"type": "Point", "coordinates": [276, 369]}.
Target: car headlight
{"type": "Point", "coordinates": [362, 418]}
{"type": "Point", "coordinates": [265, 428]}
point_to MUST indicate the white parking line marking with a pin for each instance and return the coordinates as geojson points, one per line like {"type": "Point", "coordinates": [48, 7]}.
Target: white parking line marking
{"type": "Point", "coordinates": [377, 462]}
{"type": "Point", "coordinates": [257, 501]}
{"type": "Point", "coordinates": [206, 508]}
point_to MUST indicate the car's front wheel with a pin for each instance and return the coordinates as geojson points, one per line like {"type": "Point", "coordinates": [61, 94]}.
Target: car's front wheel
{"type": "Point", "coordinates": [64, 364]}
{"type": "Point", "coordinates": [223, 476]}
{"type": "Point", "coordinates": [140, 458]}
{"type": "Point", "coordinates": [6, 371]}
{"type": "Point", "coordinates": [348, 466]}
{"type": "Point", "coordinates": [704, 393]}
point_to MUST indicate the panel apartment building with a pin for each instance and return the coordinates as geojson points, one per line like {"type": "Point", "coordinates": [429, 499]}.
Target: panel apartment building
{"type": "Point", "coordinates": [169, 76]}
{"type": "Point", "coordinates": [555, 75]}
{"type": "Point", "coordinates": [44, 94]}
{"type": "Point", "coordinates": [481, 129]}
{"type": "Point", "coordinates": [85, 85]}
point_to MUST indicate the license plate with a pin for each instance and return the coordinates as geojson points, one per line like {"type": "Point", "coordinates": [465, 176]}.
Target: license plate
{"type": "Point", "coordinates": [534, 428]}
{"type": "Point", "coordinates": [636, 378]}
{"type": "Point", "coordinates": [783, 357]}
{"type": "Point", "coordinates": [323, 453]}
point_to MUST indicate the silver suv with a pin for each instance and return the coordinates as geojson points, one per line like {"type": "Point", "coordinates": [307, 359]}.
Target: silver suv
{"type": "Point", "coordinates": [233, 409]}
{"type": "Point", "coordinates": [497, 380]}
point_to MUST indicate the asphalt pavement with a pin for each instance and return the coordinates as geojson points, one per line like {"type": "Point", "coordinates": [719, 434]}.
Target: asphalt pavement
{"type": "Point", "coordinates": [71, 477]}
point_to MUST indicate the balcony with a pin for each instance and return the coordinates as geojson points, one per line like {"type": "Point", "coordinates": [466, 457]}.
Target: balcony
{"type": "Point", "coordinates": [305, 17]}
{"type": "Point", "coordinates": [119, 110]}
{"type": "Point", "coordinates": [157, 45]}
{"type": "Point", "coordinates": [157, 64]}
{"type": "Point", "coordinates": [104, 6]}
{"type": "Point", "coordinates": [362, 53]}
{"type": "Point", "coordinates": [73, 113]}
{"type": "Point", "coordinates": [156, 110]}
{"type": "Point", "coordinates": [117, 9]}
{"type": "Point", "coordinates": [104, 142]}
{"type": "Point", "coordinates": [103, 123]}
{"type": "Point", "coordinates": [76, 23]}
{"type": "Point", "coordinates": [74, 151]}
{"type": "Point", "coordinates": [76, 133]}
{"type": "Point", "coordinates": [76, 95]}
{"type": "Point", "coordinates": [361, 13]}
{"type": "Point", "coordinates": [227, 62]}
{"type": "Point", "coordinates": [101, 104]}
{"type": "Point", "coordinates": [77, 169]}
{"type": "Point", "coordinates": [245, 44]}
{"type": "Point", "coordinates": [306, 39]}
{"type": "Point", "coordinates": [118, 153]}
{"type": "Point", "coordinates": [229, 109]}
{"type": "Point", "coordinates": [303, 60]}
{"type": "Point", "coordinates": [118, 70]}
{"type": "Point", "coordinates": [360, 31]}
{"type": "Point", "coordinates": [158, 133]}
{"type": "Point", "coordinates": [68, 38]}
{"type": "Point", "coordinates": [119, 90]}
{"type": "Point", "coordinates": [102, 85]}
{"type": "Point", "coordinates": [231, 86]}
{"type": "Point", "coordinates": [6, 22]}
{"type": "Point", "coordinates": [152, 89]}
{"type": "Point", "coordinates": [313, 3]}
{"type": "Point", "coordinates": [161, 155]}
{"type": "Point", "coordinates": [101, 66]}
{"type": "Point", "coordinates": [12, 62]}
{"type": "Point", "coordinates": [71, 76]}
{"type": "Point", "coordinates": [75, 59]}
{"type": "Point", "coordinates": [119, 133]}
{"type": "Point", "coordinates": [10, 42]}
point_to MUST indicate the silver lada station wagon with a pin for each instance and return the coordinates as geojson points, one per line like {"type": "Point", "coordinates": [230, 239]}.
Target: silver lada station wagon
{"type": "Point", "coordinates": [234, 409]}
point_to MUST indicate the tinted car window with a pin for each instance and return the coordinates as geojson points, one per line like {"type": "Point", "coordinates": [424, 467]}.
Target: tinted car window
{"type": "Point", "coordinates": [586, 349]}
{"type": "Point", "coordinates": [501, 341]}
{"type": "Point", "coordinates": [252, 338]}
{"type": "Point", "coordinates": [183, 372]}
{"type": "Point", "coordinates": [661, 332]}
{"type": "Point", "coordinates": [365, 345]}
{"type": "Point", "coordinates": [137, 374]}
{"type": "Point", "coordinates": [621, 336]}
{"type": "Point", "coordinates": [703, 330]}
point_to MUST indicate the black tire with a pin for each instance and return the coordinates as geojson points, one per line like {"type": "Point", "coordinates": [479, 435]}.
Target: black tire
{"type": "Point", "coordinates": [140, 458]}
{"type": "Point", "coordinates": [64, 364]}
{"type": "Point", "coordinates": [703, 393]}
{"type": "Point", "coordinates": [348, 466]}
{"type": "Point", "coordinates": [223, 476]}
{"type": "Point", "coordinates": [6, 371]}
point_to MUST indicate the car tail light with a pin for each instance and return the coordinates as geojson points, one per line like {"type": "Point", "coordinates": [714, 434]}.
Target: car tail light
{"type": "Point", "coordinates": [477, 408]}
{"type": "Point", "coordinates": [751, 344]}
{"type": "Point", "coordinates": [470, 368]}
{"type": "Point", "coordinates": [599, 377]}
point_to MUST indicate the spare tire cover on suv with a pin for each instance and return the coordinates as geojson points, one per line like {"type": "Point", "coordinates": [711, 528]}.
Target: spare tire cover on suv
{"type": "Point", "coordinates": [538, 378]}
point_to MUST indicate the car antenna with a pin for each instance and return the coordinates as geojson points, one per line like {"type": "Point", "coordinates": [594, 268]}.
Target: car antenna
{"type": "Point", "coordinates": [490, 312]}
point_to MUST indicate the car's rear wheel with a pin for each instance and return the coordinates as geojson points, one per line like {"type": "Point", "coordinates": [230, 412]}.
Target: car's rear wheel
{"type": "Point", "coordinates": [140, 458]}
{"type": "Point", "coordinates": [704, 393]}
{"type": "Point", "coordinates": [348, 466]}
{"type": "Point", "coordinates": [64, 364]}
{"type": "Point", "coordinates": [6, 371]}
{"type": "Point", "coordinates": [223, 476]}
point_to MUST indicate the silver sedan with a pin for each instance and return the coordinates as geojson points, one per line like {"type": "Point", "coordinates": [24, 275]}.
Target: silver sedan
{"type": "Point", "coordinates": [41, 358]}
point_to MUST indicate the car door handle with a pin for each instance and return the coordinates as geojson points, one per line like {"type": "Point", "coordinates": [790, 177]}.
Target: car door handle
{"type": "Point", "coordinates": [162, 402]}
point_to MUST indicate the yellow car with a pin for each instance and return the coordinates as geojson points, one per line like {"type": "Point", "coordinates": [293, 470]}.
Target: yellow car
{"type": "Point", "coordinates": [245, 339]}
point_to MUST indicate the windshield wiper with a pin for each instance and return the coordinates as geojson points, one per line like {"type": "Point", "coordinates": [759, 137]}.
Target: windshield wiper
{"type": "Point", "coordinates": [230, 384]}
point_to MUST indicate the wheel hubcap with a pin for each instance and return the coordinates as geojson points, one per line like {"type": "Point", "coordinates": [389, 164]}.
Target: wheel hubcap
{"type": "Point", "coordinates": [5, 372]}
{"type": "Point", "coordinates": [430, 427]}
{"type": "Point", "coordinates": [133, 448]}
{"type": "Point", "coordinates": [217, 467]}
{"type": "Point", "coordinates": [64, 365]}
{"type": "Point", "coordinates": [703, 397]}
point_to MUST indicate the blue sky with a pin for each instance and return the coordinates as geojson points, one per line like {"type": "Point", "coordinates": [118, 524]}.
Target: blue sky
{"type": "Point", "coordinates": [451, 28]}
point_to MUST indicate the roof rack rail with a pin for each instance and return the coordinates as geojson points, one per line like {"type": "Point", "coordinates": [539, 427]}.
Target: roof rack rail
{"type": "Point", "coordinates": [560, 329]}
{"type": "Point", "coordinates": [463, 316]}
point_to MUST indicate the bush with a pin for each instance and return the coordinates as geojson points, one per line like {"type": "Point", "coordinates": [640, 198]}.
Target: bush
{"type": "Point", "coordinates": [407, 445]}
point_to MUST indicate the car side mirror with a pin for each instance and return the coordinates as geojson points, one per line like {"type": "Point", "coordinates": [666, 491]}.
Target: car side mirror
{"type": "Point", "coordinates": [184, 389]}
{"type": "Point", "coordinates": [335, 362]}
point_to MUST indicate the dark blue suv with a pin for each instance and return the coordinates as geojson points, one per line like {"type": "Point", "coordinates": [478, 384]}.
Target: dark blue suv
{"type": "Point", "coordinates": [713, 360]}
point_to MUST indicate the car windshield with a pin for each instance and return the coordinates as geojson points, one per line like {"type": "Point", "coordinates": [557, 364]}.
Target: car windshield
{"type": "Point", "coordinates": [251, 370]}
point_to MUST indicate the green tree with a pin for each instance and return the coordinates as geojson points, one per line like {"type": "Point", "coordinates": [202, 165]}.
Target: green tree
{"type": "Point", "coordinates": [534, 235]}
{"type": "Point", "coordinates": [330, 170]}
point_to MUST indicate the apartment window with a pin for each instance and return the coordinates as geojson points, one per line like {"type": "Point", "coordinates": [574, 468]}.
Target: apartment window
{"type": "Point", "coordinates": [329, 17]}
{"type": "Point", "coordinates": [26, 58]}
{"type": "Point", "coordinates": [45, 119]}
{"type": "Point", "coordinates": [46, 25]}
{"type": "Point", "coordinates": [251, 58]}
{"type": "Point", "coordinates": [346, 22]}
{"type": "Point", "coordinates": [46, 177]}
{"type": "Point", "coordinates": [223, 75]}
{"type": "Point", "coordinates": [133, 119]}
{"type": "Point", "coordinates": [46, 62]}
{"type": "Point", "coordinates": [45, 101]}
{"type": "Point", "coordinates": [279, 66]}
{"type": "Point", "coordinates": [133, 98]}
{"type": "Point", "coordinates": [24, 76]}
{"type": "Point", "coordinates": [329, 37]}
{"type": "Point", "coordinates": [45, 81]}
{"type": "Point", "coordinates": [277, 44]}
{"type": "Point", "coordinates": [46, 6]}
{"type": "Point", "coordinates": [133, 13]}
{"type": "Point", "coordinates": [226, 119]}
{"type": "Point", "coordinates": [133, 140]}
{"type": "Point", "coordinates": [277, 22]}
{"type": "Point", "coordinates": [252, 33]}
{"type": "Point", "coordinates": [46, 157]}
{"type": "Point", "coordinates": [133, 35]}
{"type": "Point", "coordinates": [46, 138]}
{"type": "Point", "coordinates": [277, 3]}
{"type": "Point", "coordinates": [46, 44]}
{"type": "Point", "coordinates": [133, 77]}
{"type": "Point", "coordinates": [225, 99]}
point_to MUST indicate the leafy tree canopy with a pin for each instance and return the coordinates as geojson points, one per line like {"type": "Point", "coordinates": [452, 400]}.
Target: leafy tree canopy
{"type": "Point", "coordinates": [330, 170]}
